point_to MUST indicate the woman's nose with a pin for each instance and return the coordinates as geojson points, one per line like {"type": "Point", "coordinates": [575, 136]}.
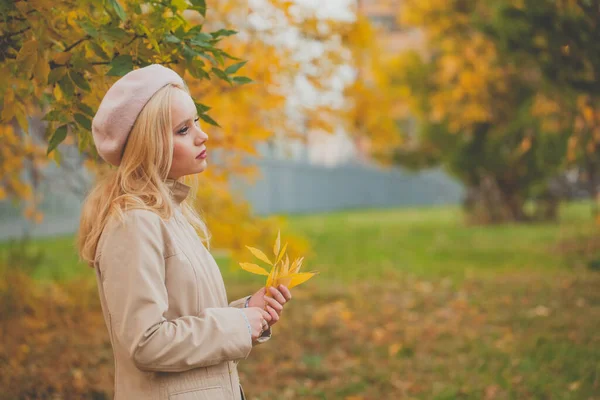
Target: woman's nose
{"type": "Point", "coordinates": [201, 137]}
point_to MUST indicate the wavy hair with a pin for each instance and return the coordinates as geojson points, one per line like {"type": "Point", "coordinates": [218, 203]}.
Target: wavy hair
{"type": "Point", "coordinates": [139, 182]}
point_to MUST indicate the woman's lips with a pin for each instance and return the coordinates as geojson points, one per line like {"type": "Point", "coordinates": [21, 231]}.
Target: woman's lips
{"type": "Point", "coordinates": [201, 155]}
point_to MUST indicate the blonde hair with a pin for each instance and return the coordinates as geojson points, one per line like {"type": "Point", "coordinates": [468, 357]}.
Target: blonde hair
{"type": "Point", "coordinates": [139, 181]}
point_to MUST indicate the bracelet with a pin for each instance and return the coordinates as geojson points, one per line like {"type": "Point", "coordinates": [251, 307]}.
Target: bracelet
{"type": "Point", "coordinates": [247, 301]}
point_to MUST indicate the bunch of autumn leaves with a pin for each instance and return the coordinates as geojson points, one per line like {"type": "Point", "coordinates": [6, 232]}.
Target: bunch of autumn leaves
{"type": "Point", "coordinates": [282, 273]}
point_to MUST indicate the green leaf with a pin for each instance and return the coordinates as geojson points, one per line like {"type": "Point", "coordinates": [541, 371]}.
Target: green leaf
{"type": "Point", "coordinates": [232, 69]}
{"type": "Point", "coordinates": [223, 33]}
{"type": "Point", "coordinates": [118, 9]}
{"type": "Point", "coordinates": [221, 74]}
{"type": "Point", "coordinates": [121, 65]}
{"type": "Point", "coordinates": [197, 71]}
{"type": "Point", "coordinates": [56, 74]}
{"type": "Point", "coordinates": [55, 115]}
{"type": "Point", "coordinates": [203, 36]}
{"type": "Point", "coordinates": [201, 108]}
{"type": "Point", "coordinates": [88, 28]}
{"type": "Point", "coordinates": [86, 109]}
{"type": "Point", "coordinates": [200, 6]}
{"type": "Point", "coordinates": [83, 121]}
{"type": "Point", "coordinates": [189, 53]}
{"type": "Point", "coordinates": [193, 30]}
{"type": "Point", "coordinates": [114, 32]}
{"type": "Point", "coordinates": [202, 40]}
{"type": "Point", "coordinates": [170, 38]}
{"type": "Point", "coordinates": [208, 57]}
{"type": "Point", "coordinates": [218, 57]}
{"type": "Point", "coordinates": [66, 86]}
{"type": "Point", "coordinates": [80, 80]}
{"type": "Point", "coordinates": [209, 120]}
{"type": "Point", "coordinates": [57, 138]}
{"type": "Point", "coordinates": [99, 51]}
{"type": "Point", "coordinates": [242, 80]}
{"type": "Point", "coordinates": [227, 55]}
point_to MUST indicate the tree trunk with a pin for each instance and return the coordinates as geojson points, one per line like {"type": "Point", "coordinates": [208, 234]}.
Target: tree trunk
{"type": "Point", "coordinates": [489, 203]}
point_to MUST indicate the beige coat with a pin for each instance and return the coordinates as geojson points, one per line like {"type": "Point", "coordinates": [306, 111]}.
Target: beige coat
{"type": "Point", "coordinates": [173, 334]}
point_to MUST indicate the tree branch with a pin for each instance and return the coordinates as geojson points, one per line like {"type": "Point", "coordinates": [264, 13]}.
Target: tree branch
{"type": "Point", "coordinates": [69, 48]}
{"type": "Point", "coordinates": [11, 34]}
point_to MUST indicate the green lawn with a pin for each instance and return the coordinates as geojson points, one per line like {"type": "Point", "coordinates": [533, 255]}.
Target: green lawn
{"type": "Point", "coordinates": [354, 245]}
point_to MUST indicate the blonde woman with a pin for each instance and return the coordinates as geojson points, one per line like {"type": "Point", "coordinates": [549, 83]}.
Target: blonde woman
{"type": "Point", "coordinates": [173, 334]}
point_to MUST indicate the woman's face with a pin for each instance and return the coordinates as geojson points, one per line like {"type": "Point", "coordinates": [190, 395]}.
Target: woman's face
{"type": "Point", "coordinates": [189, 141]}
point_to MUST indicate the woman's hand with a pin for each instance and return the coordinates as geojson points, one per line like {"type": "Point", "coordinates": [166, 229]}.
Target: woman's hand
{"type": "Point", "coordinates": [259, 320]}
{"type": "Point", "coordinates": [274, 304]}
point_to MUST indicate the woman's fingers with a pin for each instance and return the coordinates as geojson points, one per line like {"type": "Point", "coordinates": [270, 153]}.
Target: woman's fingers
{"type": "Point", "coordinates": [265, 315]}
{"type": "Point", "coordinates": [277, 295]}
{"type": "Point", "coordinates": [274, 314]}
{"type": "Point", "coordinates": [274, 303]}
{"type": "Point", "coordinates": [285, 292]}
{"type": "Point", "coordinates": [256, 317]}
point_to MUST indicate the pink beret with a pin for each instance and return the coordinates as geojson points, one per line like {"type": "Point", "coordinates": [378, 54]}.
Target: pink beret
{"type": "Point", "coordinates": [121, 106]}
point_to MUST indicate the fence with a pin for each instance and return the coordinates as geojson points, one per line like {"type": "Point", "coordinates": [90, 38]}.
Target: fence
{"type": "Point", "coordinates": [291, 187]}
{"type": "Point", "coordinates": [285, 187]}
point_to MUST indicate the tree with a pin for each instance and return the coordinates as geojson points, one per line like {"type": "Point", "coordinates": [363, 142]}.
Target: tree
{"type": "Point", "coordinates": [473, 114]}
{"type": "Point", "coordinates": [557, 41]}
{"type": "Point", "coordinates": [58, 59]}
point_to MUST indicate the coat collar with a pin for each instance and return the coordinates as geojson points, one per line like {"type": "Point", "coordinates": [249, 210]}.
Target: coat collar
{"type": "Point", "coordinates": [179, 190]}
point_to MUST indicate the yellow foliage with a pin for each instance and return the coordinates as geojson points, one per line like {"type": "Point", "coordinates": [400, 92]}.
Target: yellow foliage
{"type": "Point", "coordinates": [281, 273]}
{"type": "Point", "coordinates": [470, 81]}
{"type": "Point", "coordinates": [62, 54]}
{"type": "Point", "coordinates": [372, 98]}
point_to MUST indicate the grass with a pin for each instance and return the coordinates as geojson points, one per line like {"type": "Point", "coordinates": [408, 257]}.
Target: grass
{"type": "Point", "coordinates": [410, 304]}
{"type": "Point", "coordinates": [434, 242]}
{"type": "Point", "coordinates": [354, 245]}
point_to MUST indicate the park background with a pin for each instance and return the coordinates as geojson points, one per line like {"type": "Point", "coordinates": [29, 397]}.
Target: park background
{"type": "Point", "coordinates": [435, 160]}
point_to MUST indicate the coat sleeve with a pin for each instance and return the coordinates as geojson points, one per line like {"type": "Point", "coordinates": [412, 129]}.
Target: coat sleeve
{"type": "Point", "coordinates": [239, 303]}
{"type": "Point", "coordinates": [132, 266]}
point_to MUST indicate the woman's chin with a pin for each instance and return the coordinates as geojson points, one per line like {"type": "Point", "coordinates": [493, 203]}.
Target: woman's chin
{"type": "Point", "coordinates": [202, 166]}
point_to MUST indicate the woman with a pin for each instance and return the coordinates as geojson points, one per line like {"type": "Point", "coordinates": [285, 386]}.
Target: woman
{"type": "Point", "coordinates": [173, 334]}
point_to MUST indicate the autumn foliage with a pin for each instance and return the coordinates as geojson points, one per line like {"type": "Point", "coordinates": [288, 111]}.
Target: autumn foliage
{"type": "Point", "coordinates": [492, 100]}
{"type": "Point", "coordinates": [282, 272]}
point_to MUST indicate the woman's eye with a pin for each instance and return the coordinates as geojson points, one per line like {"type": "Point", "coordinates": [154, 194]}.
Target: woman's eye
{"type": "Point", "coordinates": [184, 130]}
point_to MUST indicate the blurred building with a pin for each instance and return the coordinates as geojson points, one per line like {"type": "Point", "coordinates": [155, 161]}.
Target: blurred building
{"type": "Point", "coordinates": [385, 15]}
